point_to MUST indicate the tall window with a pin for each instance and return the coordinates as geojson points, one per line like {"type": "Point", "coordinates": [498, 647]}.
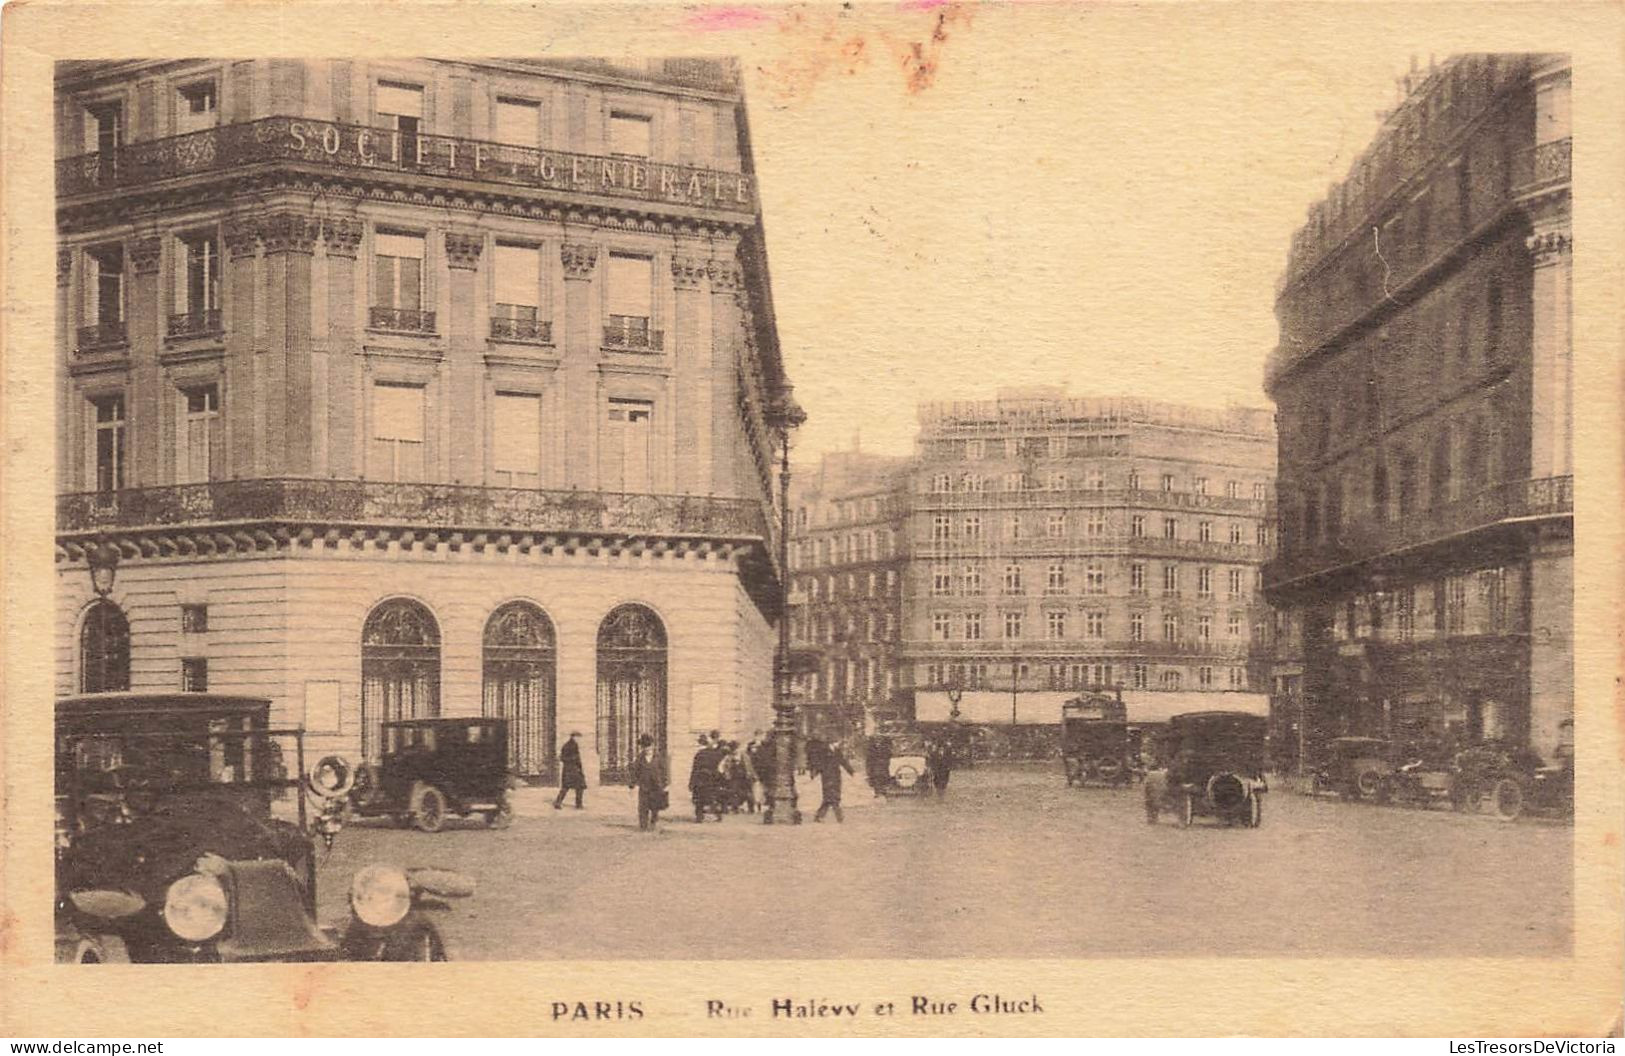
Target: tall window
{"type": "Point", "coordinates": [939, 528]}
{"type": "Point", "coordinates": [1232, 489]}
{"type": "Point", "coordinates": [1204, 677]}
{"type": "Point", "coordinates": [631, 293]}
{"type": "Point", "coordinates": [1055, 525]}
{"type": "Point", "coordinates": [972, 580]}
{"type": "Point", "coordinates": [1134, 480]}
{"type": "Point", "coordinates": [109, 445]}
{"type": "Point", "coordinates": [1136, 578]}
{"type": "Point", "coordinates": [1204, 628]}
{"type": "Point", "coordinates": [1095, 526]}
{"type": "Point", "coordinates": [1136, 526]}
{"type": "Point", "coordinates": [941, 626]}
{"type": "Point", "coordinates": [104, 649]}
{"type": "Point", "coordinates": [518, 681]}
{"type": "Point", "coordinates": [1199, 485]}
{"type": "Point", "coordinates": [1055, 624]}
{"type": "Point", "coordinates": [1232, 625]}
{"type": "Point", "coordinates": [1136, 627]}
{"type": "Point", "coordinates": [941, 581]}
{"type": "Point", "coordinates": [519, 122]}
{"type": "Point", "coordinates": [104, 295]}
{"type": "Point", "coordinates": [1167, 482]}
{"type": "Point", "coordinates": [1235, 532]}
{"type": "Point", "coordinates": [197, 107]}
{"type": "Point", "coordinates": [1013, 528]}
{"type": "Point", "coordinates": [195, 674]}
{"type": "Point", "coordinates": [200, 420]}
{"type": "Point", "coordinates": [973, 450]}
{"type": "Point", "coordinates": [104, 132]}
{"type": "Point", "coordinates": [1094, 579]}
{"type": "Point", "coordinates": [1170, 528]}
{"type": "Point", "coordinates": [1204, 582]}
{"type": "Point", "coordinates": [1492, 311]}
{"type": "Point", "coordinates": [1012, 625]}
{"type": "Point", "coordinates": [1012, 579]}
{"type": "Point", "coordinates": [518, 281]}
{"type": "Point", "coordinates": [1169, 679]}
{"type": "Point", "coordinates": [1170, 627]}
{"type": "Point", "coordinates": [626, 450]}
{"type": "Point", "coordinates": [400, 669]}
{"type": "Point", "coordinates": [973, 626]}
{"type": "Point", "coordinates": [973, 529]}
{"type": "Point", "coordinates": [1055, 583]}
{"type": "Point", "coordinates": [1170, 579]}
{"type": "Point", "coordinates": [397, 432]}
{"type": "Point", "coordinates": [631, 688]}
{"type": "Point", "coordinates": [516, 439]}
{"type": "Point", "coordinates": [400, 108]}
{"type": "Point", "coordinates": [629, 134]}
{"type": "Point", "coordinates": [398, 282]}
{"type": "Point", "coordinates": [1204, 531]}
{"type": "Point", "coordinates": [1094, 623]}
{"type": "Point", "coordinates": [1233, 578]}
{"type": "Point", "coordinates": [1137, 676]}
{"type": "Point", "coordinates": [197, 284]}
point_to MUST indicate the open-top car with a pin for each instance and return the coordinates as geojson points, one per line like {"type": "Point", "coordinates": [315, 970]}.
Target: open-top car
{"type": "Point", "coordinates": [897, 764]}
{"type": "Point", "coordinates": [1213, 767]}
{"type": "Point", "coordinates": [184, 835]}
{"type": "Point", "coordinates": [1095, 742]}
{"type": "Point", "coordinates": [434, 767]}
{"type": "Point", "coordinates": [1356, 767]}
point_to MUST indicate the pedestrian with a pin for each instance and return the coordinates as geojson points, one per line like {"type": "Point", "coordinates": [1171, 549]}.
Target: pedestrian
{"type": "Point", "coordinates": [703, 780]}
{"type": "Point", "coordinates": [939, 762]}
{"type": "Point", "coordinates": [753, 755]}
{"type": "Point", "coordinates": [573, 778]}
{"type": "Point", "coordinates": [742, 778]}
{"type": "Point", "coordinates": [649, 778]}
{"type": "Point", "coordinates": [831, 761]}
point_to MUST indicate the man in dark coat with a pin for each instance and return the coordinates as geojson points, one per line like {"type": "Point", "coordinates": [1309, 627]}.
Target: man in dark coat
{"type": "Point", "coordinates": [828, 764]}
{"type": "Point", "coordinates": [939, 763]}
{"type": "Point", "coordinates": [704, 779]}
{"type": "Point", "coordinates": [649, 778]}
{"type": "Point", "coordinates": [573, 779]}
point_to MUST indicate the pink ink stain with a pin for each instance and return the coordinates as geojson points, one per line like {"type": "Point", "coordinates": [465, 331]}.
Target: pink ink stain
{"type": "Point", "coordinates": [712, 19]}
{"type": "Point", "coordinates": [922, 5]}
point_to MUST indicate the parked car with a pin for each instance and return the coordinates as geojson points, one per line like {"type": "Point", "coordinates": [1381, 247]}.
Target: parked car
{"type": "Point", "coordinates": [1214, 768]}
{"type": "Point", "coordinates": [1096, 747]}
{"type": "Point", "coordinates": [434, 767]}
{"type": "Point", "coordinates": [1356, 767]}
{"type": "Point", "coordinates": [896, 764]}
{"type": "Point", "coordinates": [184, 835]}
{"type": "Point", "coordinates": [1486, 778]}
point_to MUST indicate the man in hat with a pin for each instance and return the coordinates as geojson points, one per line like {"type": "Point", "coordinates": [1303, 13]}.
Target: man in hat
{"type": "Point", "coordinates": [573, 778]}
{"type": "Point", "coordinates": [703, 780]}
{"type": "Point", "coordinates": [828, 764]}
{"type": "Point", "coordinates": [649, 778]}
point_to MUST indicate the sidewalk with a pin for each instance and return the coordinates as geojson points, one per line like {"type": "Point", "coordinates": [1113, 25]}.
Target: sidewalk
{"type": "Point", "coordinates": [605, 800]}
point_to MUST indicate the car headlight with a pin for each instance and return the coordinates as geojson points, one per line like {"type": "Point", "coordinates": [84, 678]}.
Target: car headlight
{"type": "Point", "coordinates": [195, 907]}
{"type": "Point", "coordinates": [380, 895]}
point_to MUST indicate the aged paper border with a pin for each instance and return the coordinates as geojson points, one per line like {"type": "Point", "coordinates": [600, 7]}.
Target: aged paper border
{"type": "Point", "coordinates": [1103, 997]}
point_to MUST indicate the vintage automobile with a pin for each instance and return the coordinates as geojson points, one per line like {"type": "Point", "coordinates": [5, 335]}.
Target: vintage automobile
{"type": "Point", "coordinates": [1488, 778]}
{"type": "Point", "coordinates": [1551, 787]}
{"type": "Point", "coordinates": [1356, 767]}
{"type": "Point", "coordinates": [1096, 746]}
{"type": "Point", "coordinates": [184, 835]}
{"type": "Point", "coordinates": [434, 767]}
{"type": "Point", "coordinates": [896, 764]}
{"type": "Point", "coordinates": [1214, 767]}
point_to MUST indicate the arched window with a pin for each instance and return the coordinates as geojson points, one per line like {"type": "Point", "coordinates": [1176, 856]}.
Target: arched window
{"type": "Point", "coordinates": [104, 649]}
{"type": "Point", "coordinates": [520, 671]}
{"type": "Point", "coordinates": [631, 687]}
{"type": "Point", "coordinates": [400, 669]}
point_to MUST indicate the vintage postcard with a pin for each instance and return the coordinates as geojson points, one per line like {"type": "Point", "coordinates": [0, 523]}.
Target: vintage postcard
{"type": "Point", "coordinates": [925, 518]}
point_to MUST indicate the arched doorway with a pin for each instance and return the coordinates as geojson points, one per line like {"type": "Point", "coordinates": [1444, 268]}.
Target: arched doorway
{"type": "Point", "coordinates": [631, 687]}
{"type": "Point", "coordinates": [400, 668]}
{"type": "Point", "coordinates": [520, 666]}
{"type": "Point", "coordinates": [104, 649]}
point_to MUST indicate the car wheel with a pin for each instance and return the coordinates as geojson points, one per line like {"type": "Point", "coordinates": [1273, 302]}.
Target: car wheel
{"type": "Point", "coordinates": [1506, 799]}
{"type": "Point", "coordinates": [429, 809]}
{"type": "Point", "coordinates": [1368, 783]}
{"type": "Point", "coordinates": [103, 949]}
{"type": "Point", "coordinates": [1187, 810]}
{"type": "Point", "coordinates": [1464, 796]}
{"type": "Point", "coordinates": [501, 817]}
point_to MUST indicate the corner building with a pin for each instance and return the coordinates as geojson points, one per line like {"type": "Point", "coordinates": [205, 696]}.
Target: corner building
{"type": "Point", "coordinates": [1424, 382]}
{"type": "Point", "coordinates": [419, 388]}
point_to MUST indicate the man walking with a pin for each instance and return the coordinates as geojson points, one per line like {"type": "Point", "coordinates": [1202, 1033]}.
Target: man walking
{"type": "Point", "coordinates": [649, 778]}
{"type": "Point", "coordinates": [828, 764]}
{"type": "Point", "coordinates": [939, 764]}
{"type": "Point", "coordinates": [703, 780]}
{"type": "Point", "coordinates": [573, 778]}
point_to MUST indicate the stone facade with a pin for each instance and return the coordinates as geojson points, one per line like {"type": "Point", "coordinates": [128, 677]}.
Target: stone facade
{"type": "Point", "coordinates": [1423, 383]}
{"type": "Point", "coordinates": [466, 333]}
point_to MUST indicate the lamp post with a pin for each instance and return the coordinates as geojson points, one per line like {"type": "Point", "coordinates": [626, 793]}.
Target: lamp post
{"type": "Point", "coordinates": [781, 798]}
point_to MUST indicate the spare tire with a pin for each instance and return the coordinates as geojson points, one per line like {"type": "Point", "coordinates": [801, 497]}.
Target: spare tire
{"type": "Point", "coordinates": [906, 776]}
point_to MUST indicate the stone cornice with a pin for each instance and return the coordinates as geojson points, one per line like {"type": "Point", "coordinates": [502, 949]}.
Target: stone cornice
{"type": "Point", "coordinates": [579, 259]}
{"type": "Point", "coordinates": [463, 249]}
{"type": "Point", "coordinates": [144, 254]}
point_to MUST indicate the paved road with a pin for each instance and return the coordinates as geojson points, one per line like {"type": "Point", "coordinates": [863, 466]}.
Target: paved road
{"type": "Point", "coordinates": [1010, 864]}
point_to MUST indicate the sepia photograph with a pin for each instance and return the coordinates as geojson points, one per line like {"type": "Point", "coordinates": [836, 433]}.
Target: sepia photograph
{"type": "Point", "coordinates": [835, 486]}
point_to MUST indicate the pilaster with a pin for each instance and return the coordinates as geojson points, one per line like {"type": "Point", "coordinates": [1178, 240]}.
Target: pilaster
{"type": "Point", "coordinates": [463, 357]}
{"type": "Point", "coordinates": [241, 324]}
{"type": "Point", "coordinates": [341, 237]}
{"type": "Point", "coordinates": [691, 361]}
{"type": "Point", "coordinates": [726, 287]}
{"type": "Point", "coordinates": [289, 237]}
{"type": "Point", "coordinates": [143, 329]}
{"type": "Point", "coordinates": [580, 350]}
{"type": "Point", "coordinates": [1551, 443]}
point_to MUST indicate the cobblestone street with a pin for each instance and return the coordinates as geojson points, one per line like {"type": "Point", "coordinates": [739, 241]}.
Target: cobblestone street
{"type": "Point", "coordinates": [1010, 864]}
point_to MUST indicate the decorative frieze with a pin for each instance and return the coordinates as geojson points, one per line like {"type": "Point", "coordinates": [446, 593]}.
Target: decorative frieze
{"type": "Point", "coordinates": [342, 236]}
{"type": "Point", "coordinates": [242, 236]}
{"type": "Point", "coordinates": [725, 276]}
{"type": "Point", "coordinates": [144, 254]}
{"type": "Point", "coordinates": [290, 232]}
{"type": "Point", "coordinates": [687, 272]}
{"type": "Point", "coordinates": [1548, 247]}
{"type": "Point", "coordinates": [463, 249]}
{"type": "Point", "coordinates": [579, 258]}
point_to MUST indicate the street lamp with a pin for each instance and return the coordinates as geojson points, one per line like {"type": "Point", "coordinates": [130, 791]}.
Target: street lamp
{"type": "Point", "coordinates": [103, 560]}
{"type": "Point", "coordinates": [787, 415]}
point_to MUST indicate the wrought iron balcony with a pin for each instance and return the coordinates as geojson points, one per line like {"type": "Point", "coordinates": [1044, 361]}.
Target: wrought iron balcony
{"type": "Point", "coordinates": [1362, 539]}
{"type": "Point", "coordinates": [358, 149]}
{"type": "Point", "coordinates": [1548, 163]}
{"type": "Point", "coordinates": [195, 324]}
{"type": "Point", "coordinates": [631, 333]}
{"type": "Point", "coordinates": [513, 322]}
{"type": "Point", "coordinates": [401, 320]}
{"type": "Point", "coordinates": [1045, 649]}
{"type": "Point", "coordinates": [102, 337]}
{"type": "Point", "coordinates": [442, 506]}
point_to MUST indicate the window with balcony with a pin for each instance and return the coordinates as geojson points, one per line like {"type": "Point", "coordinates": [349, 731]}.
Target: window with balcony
{"type": "Point", "coordinates": [1012, 579]}
{"type": "Point", "coordinates": [197, 435]}
{"type": "Point", "coordinates": [400, 109]}
{"type": "Point", "coordinates": [519, 278]}
{"type": "Point", "coordinates": [973, 626]}
{"type": "Point", "coordinates": [518, 123]}
{"type": "Point", "coordinates": [1055, 624]}
{"type": "Point", "coordinates": [398, 294]}
{"type": "Point", "coordinates": [104, 128]}
{"type": "Point", "coordinates": [1012, 625]}
{"type": "Point", "coordinates": [627, 453]}
{"type": "Point", "coordinates": [104, 298]}
{"type": "Point", "coordinates": [516, 440]}
{"type": "Point", "coordinates": [1136, 627]}
{"type": "Point", "coordinates": [197, 286]}
{"type": "Point", "coordinates": [396, 451]}
{"type": "Point", "coordinates": [108, 441]}
{"type": "Point", "coordinates": [197, 107]}
{"type": "Point", "coordinates": [631, 297]}
{"type": "Point", "coordinates": [1136, 578]}
{"type": "Point", "coordinates": [630, 135]}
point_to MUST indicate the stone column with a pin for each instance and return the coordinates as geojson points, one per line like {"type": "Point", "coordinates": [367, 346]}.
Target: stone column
{"type": "Point", "coordinates": [462, 376]}
{"type": "Point", "coordinates": [582, 339]}
{"type": "Point", "coordinates": [1551, 636]}
{"type": "Point", "coordinates": [69, 454]}
{"type": "Point", "coordinates": [726, 290]}
{"type": "Point", "coordinates": [342, 238]}
{"type": "Point", "coordinates": [144, 326]}
{"type": "Point", "coordinates": [242, 249]}
{"type": "Point", "coordinates": [1551, 446]}
{"type": "Point", "coordinates": [290, 239]}
{"type": "Point", "coordinates": [691, 352]}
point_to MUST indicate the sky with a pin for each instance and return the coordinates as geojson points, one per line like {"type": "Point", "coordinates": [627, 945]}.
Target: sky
{"type": "Point", "coordinates": [1100, 199]}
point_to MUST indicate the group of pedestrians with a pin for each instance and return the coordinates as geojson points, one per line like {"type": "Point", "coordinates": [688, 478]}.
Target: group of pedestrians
{"type": "Point", "coordinates": [727, 777]}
